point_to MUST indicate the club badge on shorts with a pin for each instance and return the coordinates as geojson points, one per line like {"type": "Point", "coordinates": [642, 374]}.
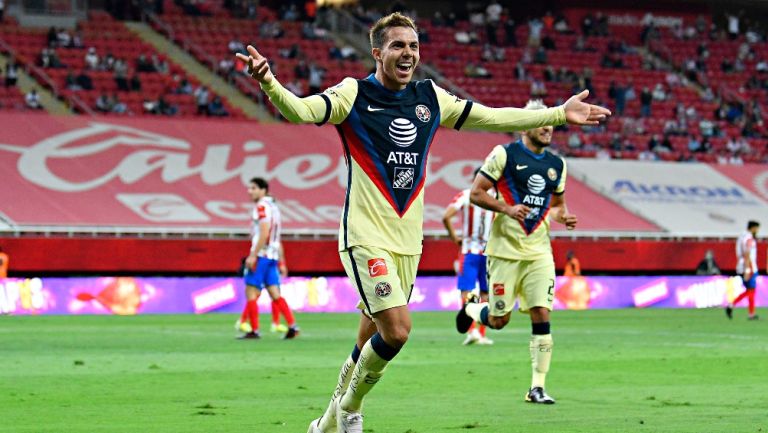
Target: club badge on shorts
{"type": "Point", "coordinates": [500, 305]}
{"type": "Point", "coordinates": [382, 289]}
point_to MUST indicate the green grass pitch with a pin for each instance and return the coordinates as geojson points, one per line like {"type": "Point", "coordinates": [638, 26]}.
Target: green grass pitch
{"type": "Point", "coordinates": [612, 371]}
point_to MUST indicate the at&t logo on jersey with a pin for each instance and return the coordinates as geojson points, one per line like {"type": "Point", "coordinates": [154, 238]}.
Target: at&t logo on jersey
{"type": "Point", "coordinates": [377, 267]}
{"type": "Point", "coordinates": [536, 184]}
{"type": "Point", "coordinates": [402, 132]}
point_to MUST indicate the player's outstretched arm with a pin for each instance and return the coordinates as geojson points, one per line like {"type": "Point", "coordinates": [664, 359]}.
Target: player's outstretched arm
{"type": "Point", "coordinates": [311, 109]}
{"type": "Point", "coordinates": [461, 114]}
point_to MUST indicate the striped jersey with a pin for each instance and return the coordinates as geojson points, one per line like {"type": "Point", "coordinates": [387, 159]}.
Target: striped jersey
{"type": "Point", "coordinates": [266, 210]}
{"type": "Point", "coordinates": [523, 177]}
{"type": "Point", "coordinates": [746, 243]}
{"type": "Point", "coordinates": [475, 224]}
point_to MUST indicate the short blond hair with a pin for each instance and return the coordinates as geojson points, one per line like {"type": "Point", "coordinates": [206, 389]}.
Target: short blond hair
{"type": "Point", "coordinates": [379, 29]}
{"type": "Point", "coordinates": [535, 104]}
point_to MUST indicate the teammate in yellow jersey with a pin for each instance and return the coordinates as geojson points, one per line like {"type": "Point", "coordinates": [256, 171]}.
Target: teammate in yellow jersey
{"type": "Point", "coordinates": [530, 182]}
{"type": "Point", "coordinates": [386, 123]}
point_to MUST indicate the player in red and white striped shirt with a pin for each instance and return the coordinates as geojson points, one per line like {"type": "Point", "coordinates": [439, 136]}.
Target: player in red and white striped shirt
{"type": "Point", "coordinates": [476, 227]}
{"type": "Point", "coordinates": [262, 264]}
{"type": "Point", "coordinates": [746, 267]}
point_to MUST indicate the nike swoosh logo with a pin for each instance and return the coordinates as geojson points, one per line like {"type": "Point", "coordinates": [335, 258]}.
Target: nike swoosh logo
{"type": "Point", "coordinates": [374, 109]}
{"type": "Point", "coordinates": [521, 167]}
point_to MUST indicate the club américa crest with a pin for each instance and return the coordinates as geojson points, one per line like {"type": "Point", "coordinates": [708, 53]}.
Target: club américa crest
{"type": "Point", "coordinates": [423, 113]}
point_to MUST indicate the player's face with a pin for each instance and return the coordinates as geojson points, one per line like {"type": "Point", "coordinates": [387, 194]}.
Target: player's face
{"type": "Point", "coordinates": [255, 192]}
{"type": "Point", "coordinates": [540, 137]}
{"type": "Point", "coordinates": [397, 58]}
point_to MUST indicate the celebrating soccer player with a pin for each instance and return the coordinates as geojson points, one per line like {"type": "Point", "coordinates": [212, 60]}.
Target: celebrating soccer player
{"type": "Point", "coordinates": [475, 228]}
{"type": "Point", "coordinates": [387, 123]}
{"type": "Point", "coordinates": [531, 186]}
{"type": "Point", "coordinates": [261, 265]}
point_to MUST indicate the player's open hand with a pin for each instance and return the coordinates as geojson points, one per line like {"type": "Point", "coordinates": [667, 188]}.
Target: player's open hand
{"type": "Point", "coordinates": [578, 112]}
{"type": "Point", "coordinates": [518, 212]}
{"type": "Point", "coordinates": [258, 66]}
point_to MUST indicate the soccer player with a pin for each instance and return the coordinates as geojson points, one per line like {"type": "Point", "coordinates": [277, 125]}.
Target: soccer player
{"type": "Point", "coordinates": [476, 226]}
{"type": "Point", "coordinates": [530, 182]}
{"type": "Point", "coordinates": [746, 267]}
{"type": "Point", "coordinates": [261, 265]}
{"type": "Point", "coordinates": [387, 123]}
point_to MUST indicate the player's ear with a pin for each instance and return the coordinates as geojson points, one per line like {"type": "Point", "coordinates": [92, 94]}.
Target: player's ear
{"type": "Point", "coordinates": [376, 53]}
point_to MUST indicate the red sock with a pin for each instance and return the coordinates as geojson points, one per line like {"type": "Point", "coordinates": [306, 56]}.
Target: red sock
{"type": "Point", "coordinates": [482, 330]}
{"type": "Point", "coordinates": [471, 327]}
{"type": "Point", "coordinates": [752, 302]}
{"type": "Point", "coordinates": [246, 312]}
{"type": "Point", "coordinates": [275, 313]}
{"type": "Point", "coordinates": [253, 307]}
{"type": "Point", "coordinates": [286, 310]}
{"type": "Point", "coordinates": [740, 297]}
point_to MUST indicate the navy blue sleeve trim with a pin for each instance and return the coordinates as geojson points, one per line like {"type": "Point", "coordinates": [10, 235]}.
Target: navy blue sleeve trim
{"type": "Point", "coordinates": [327, 109]}
{"type": "Point", "coordinates": [464, 115]}
{"type": "Point", "coordinates": [488, 176]}
{"type": "Point", "coordinates": [559, 193]}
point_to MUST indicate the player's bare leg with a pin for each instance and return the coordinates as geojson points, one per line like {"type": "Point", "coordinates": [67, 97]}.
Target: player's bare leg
{"type": "Point", "coordinates": [327, 422]}
{"type": "Point", "coordinates": [541, 355]}
{"type": "Point", "coordinates": [393, 326]}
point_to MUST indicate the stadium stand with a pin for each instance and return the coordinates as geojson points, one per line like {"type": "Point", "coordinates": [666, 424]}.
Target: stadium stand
{"type": "Point", "coordinates": [107, 68]}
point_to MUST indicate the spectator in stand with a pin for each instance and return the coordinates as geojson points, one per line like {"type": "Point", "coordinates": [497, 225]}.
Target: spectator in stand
{"type": "Point", "coordinates": [707, 265]}
{"type": "Point", "coordinates": [538, 89]}
{"type": "Point", "coordinates": [574, 141]}
{"type": "Point", "coordinates": [143, 64]}
{"type": "Point", "coordinates": [104, 103]}
{"type": "Point", "coordinates": [540, 57]}
{"type": "Point", "coordinates": [216, 108]}
{"type": "Point", "coordinates": [91, 59]}
{"type": "Point", "coordinates": [4, 259]}
{"type": "Point", "coordinates": [70, 82]}
{"type": "Point", "coordinates": [160, 65]}
{"type": "Point", "coordinates": [121, 75]}
{"type": "Point", "coordinates": [32, 99]}
{"type": "Point", "coordinates": [118, 106]}
{"type": "Point", "coordinates": [63, 38]}
{"type": "Point", "coordinates": [316, 75]}
{"type": "Point", "coordinates": [235, 46]}
{"type": "Point", "coordinates": [135, 82]}
{"type": "Point", "coordinates": [646, 98]}
{"type": "Point", "coordinates": [510, 36]}
{"type": "Point", "coordinates": [107, 62]}
{"type": "Point", "coordinates": [733, 26]}
{"type": "Point", "coordinates": [694, 145]}
{"type": "Point", "coordinates": [84, 80]}
{"type": "Point", "coordinates": [202, 98]}
{"type": "Point", "coordinates": [11, 73]}
{"type": "Point", "coordinates": [301, 70]}
{"type": "Point", "coordinates": [618, 94]}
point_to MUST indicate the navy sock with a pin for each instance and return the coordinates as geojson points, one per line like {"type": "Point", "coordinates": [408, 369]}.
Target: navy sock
{"type": "Point", "coordinates": [384, 350]}
{"type": "Point", "coordinates": [484, 316]}
{"type": "Point", "coordinates": [540, 328]}
{"type": "Point", "coordinates": [355, 354]}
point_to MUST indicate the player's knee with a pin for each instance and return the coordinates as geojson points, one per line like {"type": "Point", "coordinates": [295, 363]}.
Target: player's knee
{"type": "Point", "coordinates": [397, 337]}
{"type": "Point", "coordinates": [498, 322]}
